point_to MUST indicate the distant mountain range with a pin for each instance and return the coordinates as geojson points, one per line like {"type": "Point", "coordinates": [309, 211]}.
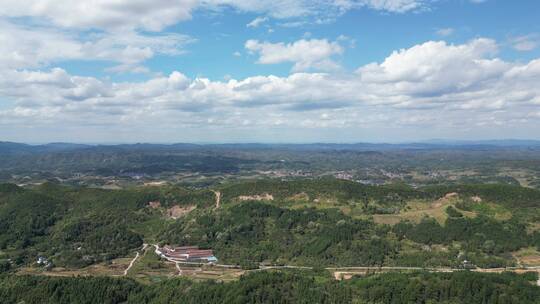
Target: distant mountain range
{"type": "Point", "coordinates": [21, 148]}
{"type": "Point", "coordinates": [494, 142]}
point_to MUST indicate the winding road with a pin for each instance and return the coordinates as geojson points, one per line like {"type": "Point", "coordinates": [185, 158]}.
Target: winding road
{"type": "Point", "coordinates": [177, 264]}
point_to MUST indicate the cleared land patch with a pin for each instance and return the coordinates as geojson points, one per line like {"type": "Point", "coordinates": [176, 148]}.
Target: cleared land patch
{"type": "Point", "coordinates": [115, 268]}
{"type": "Point", "coordinates": [528, 257]}
{"type": "Point", "coordinates": [257, 197]}
{"type": "Point", "coordinates": [176, 212]}
{"type": "Point", "coordinates": [416, 210]}
{"type": "Point", "coordinates": [151, 268]}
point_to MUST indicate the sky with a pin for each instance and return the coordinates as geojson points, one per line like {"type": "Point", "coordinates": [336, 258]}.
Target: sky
{"type": "Point", "coordinates": [286, 71]}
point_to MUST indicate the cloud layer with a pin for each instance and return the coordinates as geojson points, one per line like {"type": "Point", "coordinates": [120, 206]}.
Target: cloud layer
{"type": "Point", "coordinates": [158, 14]}
{"type": "Point", "coordinates": [424, 90]}
{"type": "Point", "coordinates": [432, 81]}
{"type": "Point", "coordinates": [24, 47]}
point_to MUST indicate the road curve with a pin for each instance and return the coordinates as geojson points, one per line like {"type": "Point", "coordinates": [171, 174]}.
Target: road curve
{"type": "Point", "coordinates": [134, 260]}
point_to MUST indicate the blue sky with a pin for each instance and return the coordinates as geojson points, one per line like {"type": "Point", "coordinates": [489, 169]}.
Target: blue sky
{"type": "Point", "coordinates": [376, 33]}
{"type": "Point", "coordinates": [269, 71]}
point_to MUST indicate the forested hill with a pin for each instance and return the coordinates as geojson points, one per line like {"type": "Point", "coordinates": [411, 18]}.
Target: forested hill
{"type": "Point", "coordinates": [262, 287]}
{"type": "Point", "coordinates": [319, 223]}
{"type": "Point", "coordinates": [307, 222]}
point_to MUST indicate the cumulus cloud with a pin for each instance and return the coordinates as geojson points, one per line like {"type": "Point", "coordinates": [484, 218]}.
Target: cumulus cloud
{"type": "Point", "coordinates": [25, 47]}
{"type": "Point", "coordinates": [104, 14]}
{"type": "Point", "coordinates": [158, 14]}
{"type": "Point", "coordinates": [434, 84]}
{"type": "Point", "coordinates": [434, 68]}
{"type": "Point", "coordinates": [305, 54]}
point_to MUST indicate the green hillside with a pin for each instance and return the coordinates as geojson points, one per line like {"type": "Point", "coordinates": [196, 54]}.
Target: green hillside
{"type": "Point", "coordinates": [303, 222]}
{"type": "Point", "coordinates": [279, 287]}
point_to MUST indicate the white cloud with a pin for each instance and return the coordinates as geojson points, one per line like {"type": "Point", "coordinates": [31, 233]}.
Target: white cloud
{"type": "Point", "coordinates": [25, 47]}
{"type": "Point", "coordinates": [131, 49]}
{"type": "Point", "coordinates": [257, 21]}
{"type": "Point", "coordinates": [435, 85]}
{"type": "Point", "coordinates": [396, 6]}
{"type": "Point", "coordinates": [525, 43]}
{"type": "Point", "coordinates": [158, 14]}
{"type": "Point", "coordinates": [305, 54]}
{"type": "Point", "coordinates": [323, 8]}
{"type": "Point", "coordinates": [444, 32]}
{"type": "Point", "coordinates": [434, 68]}
{"type": "Point", "coordinates": [104, 14]}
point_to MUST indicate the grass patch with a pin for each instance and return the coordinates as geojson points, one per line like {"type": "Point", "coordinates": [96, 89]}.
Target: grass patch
{"type": "Point", "coordinates": [150, 268]}
{"type": "Point", "coordinates": [115, 268]}
{"type": "Point", "coordinates": [416, 210]}
{"type": "Point", "coordinates": [528, 257]}
{"type": "Point", "coordinates": [495, 211]}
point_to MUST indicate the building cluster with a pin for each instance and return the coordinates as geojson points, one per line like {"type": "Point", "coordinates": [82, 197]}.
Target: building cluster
{"type": "Point", "coordinates": [187, 254]}
{"type": "Point", "coordinates": [43, 261]}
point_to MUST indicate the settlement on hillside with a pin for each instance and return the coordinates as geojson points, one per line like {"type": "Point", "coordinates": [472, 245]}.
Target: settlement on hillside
{"type": "Point", "coordinates": [187, 254]}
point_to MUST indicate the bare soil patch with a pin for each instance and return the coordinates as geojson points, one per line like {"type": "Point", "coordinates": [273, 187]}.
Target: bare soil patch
{"type": "Point", "coordinates": [528, 257]}
{"type": "Point", "coordinates": [444, 200]}
{"type": "Point", "coordinates": [176, 212]}
{"type": "Point", "coordinates": [155, 184]}
{"type": "Point", "coordinates": [302, 196]}
{"type": "Point", "coordinates": [257, 197]}
{"type": "Point", "coordinates": [154, 205]}
{"type": "Point", "coordinates": [476, 199]}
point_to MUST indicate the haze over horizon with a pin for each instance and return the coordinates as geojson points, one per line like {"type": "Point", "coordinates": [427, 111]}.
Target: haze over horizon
{"type": "Point", "coordinates": [216, 71]}
{"type": "Point", "coordinates": [509, 142]}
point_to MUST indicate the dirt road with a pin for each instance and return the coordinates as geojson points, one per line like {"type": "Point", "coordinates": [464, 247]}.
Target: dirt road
{"type": "Point", "coordinates": [179, 269]}
{"type": "Point", "coordinates": [345, 272]}
{"type": "Point", "coordinates": [218, 198]}
{"type": "Point", "coordinates": [134, 260]}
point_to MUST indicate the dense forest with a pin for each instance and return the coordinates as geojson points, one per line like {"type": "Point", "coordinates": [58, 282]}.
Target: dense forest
{"type": "Point", "coordinates": [279, 287]}
{"type": "Point", "coordinates": [75, 227]}
{"type": "Point", "coordinates": [258, 232]}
